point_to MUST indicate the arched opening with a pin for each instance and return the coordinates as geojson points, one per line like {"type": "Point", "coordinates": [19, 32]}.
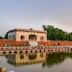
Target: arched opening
{"type": "Point", "coordinates": [22, 37]}
{"type": "Point", "coordinates": [32, 37]}
{"type": "Point", "coordinates": [33, 40]}
{"type": "Point", "coordinates": [41, 38]}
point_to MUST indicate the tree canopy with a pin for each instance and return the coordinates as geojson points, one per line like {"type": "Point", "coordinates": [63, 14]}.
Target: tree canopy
{"type": "Point", "coordinates": [6, 36]}
{"type": "Point", "coordinates": [57, 34]}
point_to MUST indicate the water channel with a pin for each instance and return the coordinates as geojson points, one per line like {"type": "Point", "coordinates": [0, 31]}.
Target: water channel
{"type": "Point", "coordinates": [56, 62]}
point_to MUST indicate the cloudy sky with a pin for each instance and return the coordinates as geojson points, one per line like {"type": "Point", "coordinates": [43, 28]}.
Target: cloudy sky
{"type": "Point", "coordinates": [34, 14]}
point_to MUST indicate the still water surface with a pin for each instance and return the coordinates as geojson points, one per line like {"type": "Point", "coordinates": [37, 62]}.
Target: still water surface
{"type": "Point", "coordinates": [54, 63]}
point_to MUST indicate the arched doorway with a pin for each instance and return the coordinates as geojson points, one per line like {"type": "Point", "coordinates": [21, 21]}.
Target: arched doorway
{"type": "Point", "coordinates": [33, 40]}
{"type": "Point", "coordinates": [32, 37]}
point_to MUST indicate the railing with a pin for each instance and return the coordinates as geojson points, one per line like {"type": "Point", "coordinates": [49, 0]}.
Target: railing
{"type": "Point", "coordinates": [24, 49]}
{"type": "Point", "coordinates": [31, 48]}
{"type": "Point", "coordinates": [28, 47]}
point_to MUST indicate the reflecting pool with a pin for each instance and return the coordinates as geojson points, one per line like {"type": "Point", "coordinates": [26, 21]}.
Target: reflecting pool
{"type": "Point", "coordinates": [56, 62]}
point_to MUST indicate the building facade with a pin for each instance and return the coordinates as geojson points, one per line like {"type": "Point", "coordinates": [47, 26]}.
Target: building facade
{"type": "Point", "coordinates": [27, 35]}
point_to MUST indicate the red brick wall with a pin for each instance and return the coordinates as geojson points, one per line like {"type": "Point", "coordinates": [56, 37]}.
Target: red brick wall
{"type": "Point", "coordinates": [57, 43]}
{"type": "Point", "coordinates": [12, 43]}
{"type": "Point", "coordinates": [22, 43]}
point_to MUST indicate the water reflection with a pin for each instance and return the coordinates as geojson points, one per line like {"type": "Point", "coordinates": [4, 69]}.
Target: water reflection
{"type": "Point", "coordinates": [56, 62]}
{"type": "Point", "coordinates": [56, 58]}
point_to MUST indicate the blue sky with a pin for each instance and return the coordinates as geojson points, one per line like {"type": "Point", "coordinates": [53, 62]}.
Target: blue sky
{"type": "Point", "coordinates": [34, 14]}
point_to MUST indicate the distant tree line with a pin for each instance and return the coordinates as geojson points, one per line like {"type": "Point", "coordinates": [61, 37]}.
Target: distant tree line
{"type": "Point", "coordinates": [57, 34]}
{"type": "Point", "coordinates": [5, 37]}
{"type": "Point", "coordinates": [1, 37]}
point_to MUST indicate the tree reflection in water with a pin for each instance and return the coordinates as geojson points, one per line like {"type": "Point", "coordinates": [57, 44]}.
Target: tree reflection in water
{"type": "Point", "coordinates": [56, 58]}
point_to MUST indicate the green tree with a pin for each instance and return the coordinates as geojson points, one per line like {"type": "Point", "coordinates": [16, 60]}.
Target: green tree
{"type": "Point", "coordinates": [56, 34]}
{"type": "Point", "coordinates": [6, 36]}
{"type": "Point", "coordinates": [70, 36]}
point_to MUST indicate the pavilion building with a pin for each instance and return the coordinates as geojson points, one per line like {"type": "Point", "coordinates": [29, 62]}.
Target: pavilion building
{"type": "Point", "coordinates": [30, 35]}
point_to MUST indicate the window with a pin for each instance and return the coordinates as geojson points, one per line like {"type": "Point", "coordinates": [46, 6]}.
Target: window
{"type": "Point", "coordinates": [10, 37]}
{"type": "Point", "coordinates": [13, 36]}
{"type": "Point", "coordinates": [22, 37]}
{"type": "Point", "coordinates": [41, 54]}
{"type": "Point", "coordinates": [21, 56]}
{"type": "Point", "coordinates": [41, 38]}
